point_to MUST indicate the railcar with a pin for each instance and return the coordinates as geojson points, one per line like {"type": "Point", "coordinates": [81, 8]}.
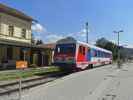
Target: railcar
{"type": "Point", "coordinates": [75, 55]}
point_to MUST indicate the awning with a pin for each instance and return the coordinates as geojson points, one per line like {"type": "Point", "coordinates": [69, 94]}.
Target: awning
{"type": "Point", "coordinates": [15, 43]}
{"type": "Point", "coordinates": [6, 42]}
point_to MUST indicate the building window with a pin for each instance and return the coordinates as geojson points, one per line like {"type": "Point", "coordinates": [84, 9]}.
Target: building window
{"type": "Point", "coordinates": [11, 30]}
{"type": "Point", "coordinates": [23, 33]}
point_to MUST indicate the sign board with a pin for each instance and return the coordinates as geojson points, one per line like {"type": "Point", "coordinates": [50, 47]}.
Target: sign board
{"type": "Point", "coordinates": [21, 64]}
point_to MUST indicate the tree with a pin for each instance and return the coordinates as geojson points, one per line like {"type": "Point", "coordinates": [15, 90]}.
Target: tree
{"type": "Point", "coordinates": [39, 42]}
{"type": "Point", "coordinates": [101, 42]}
{"type": "Point", "coordinates": [104, 43]}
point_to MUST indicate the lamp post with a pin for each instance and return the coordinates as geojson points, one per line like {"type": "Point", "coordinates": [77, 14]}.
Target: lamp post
{"type": "Point", "coordinates": [86, 24]}
{"type": "Point", "coordinates": [118, 52]}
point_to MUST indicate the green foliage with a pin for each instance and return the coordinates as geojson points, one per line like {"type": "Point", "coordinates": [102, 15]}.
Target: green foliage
{"type": "Point", "coordinates": [103, 43]}
{"type": "Point", "coordinates": [39, 42]}
{"type": "Point", "coordinates": [4, 76]}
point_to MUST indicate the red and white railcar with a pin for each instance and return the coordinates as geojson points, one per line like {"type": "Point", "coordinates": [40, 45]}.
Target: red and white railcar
{"type": "Point", "coordinates": [74, 55]}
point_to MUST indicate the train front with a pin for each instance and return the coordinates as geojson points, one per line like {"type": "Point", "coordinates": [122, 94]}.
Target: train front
{"type": "Point", "coordinates": [64, 56]}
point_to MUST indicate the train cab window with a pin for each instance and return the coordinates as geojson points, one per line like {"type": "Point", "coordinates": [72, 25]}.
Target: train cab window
{"type": "Point", "coordinates": [65, 48]}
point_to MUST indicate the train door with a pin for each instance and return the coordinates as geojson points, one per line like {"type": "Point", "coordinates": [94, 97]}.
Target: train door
{"type": "Point", "coordinates": [82, 62]}
{"type": "Point", "coordinates": [46, 60]}
{"type": "Point", "coordinates": [81, 56]}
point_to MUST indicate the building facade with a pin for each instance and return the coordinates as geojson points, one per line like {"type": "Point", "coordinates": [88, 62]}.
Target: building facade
{"type": "Point", "coordinates": [15, 39]}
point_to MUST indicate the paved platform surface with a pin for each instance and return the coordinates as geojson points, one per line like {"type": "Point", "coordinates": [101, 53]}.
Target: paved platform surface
{"type": "Point", "coordinates": [78, 86]}
{"type": "Point", "coordinates": [103, 83]}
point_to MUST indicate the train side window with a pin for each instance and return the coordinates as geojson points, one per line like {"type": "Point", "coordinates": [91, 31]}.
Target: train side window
{"type": "Point", "coordinates": [83, 50]}
{"type": "Point", "coordinates": [99, 54]}
{"type": "Point", "coordinates": [104, 55]}
{"type": "Point", "coordinates": [80, 49]}
{"type": "Point", "coordinates": [88, 49]}
{"type": "Point", "coordinates": [94, 53]}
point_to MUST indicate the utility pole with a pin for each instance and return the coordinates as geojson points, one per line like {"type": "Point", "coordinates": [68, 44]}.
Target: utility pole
{"type": "Point", "coordinates": [118, 52]}
{"type": "Point", "coordinates": [86, 24]}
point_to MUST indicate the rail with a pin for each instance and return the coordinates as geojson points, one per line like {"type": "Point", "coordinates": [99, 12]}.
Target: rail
{"type": "Point", "coordinates": [8, 88]}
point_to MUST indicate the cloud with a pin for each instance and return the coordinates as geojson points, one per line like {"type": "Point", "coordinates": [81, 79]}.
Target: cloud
{"type": "Point", "coordinates": [42, 33]}
{"type": "Point", "coordinates": [39, 31]}
{"type": "Point", "coordinates": [53, 38]}
{"type": "Point", "coordinates": [128, 46]}
{"type": "Point", "coordinates": [81, 33]}
{"type": "Point", "coordinates": [113, 41]}
{"type": "Point", "coordinates": [38, 28]}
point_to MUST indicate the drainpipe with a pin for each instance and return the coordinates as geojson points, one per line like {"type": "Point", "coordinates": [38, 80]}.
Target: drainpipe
{"type": "Point", "coordinates": [24, 55]}
{"type": "Point", "coordinates": [42, 57]}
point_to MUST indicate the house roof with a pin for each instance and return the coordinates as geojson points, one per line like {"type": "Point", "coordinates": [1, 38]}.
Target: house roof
{"type": "Point", "coordinates": [14, 12]}
{"type": "Point", "coordinates": [49, 45]}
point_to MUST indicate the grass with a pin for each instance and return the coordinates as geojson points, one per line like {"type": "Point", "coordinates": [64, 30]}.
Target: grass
{"type": "Point", "coordinates": [27, 73]}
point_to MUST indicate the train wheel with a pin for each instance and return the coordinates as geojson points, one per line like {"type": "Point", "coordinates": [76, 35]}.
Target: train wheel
{"type": "Point", "coordinates": [90, 66]}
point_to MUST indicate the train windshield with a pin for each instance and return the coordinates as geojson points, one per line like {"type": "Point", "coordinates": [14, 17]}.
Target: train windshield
{"type": "Point", "coordinates": [65, 49]}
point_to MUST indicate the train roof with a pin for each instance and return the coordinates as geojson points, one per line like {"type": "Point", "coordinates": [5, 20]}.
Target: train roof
{"type": "Point", "coordinates": [94, 47]}
{"type": "Point", "coordinates": [72, 40]}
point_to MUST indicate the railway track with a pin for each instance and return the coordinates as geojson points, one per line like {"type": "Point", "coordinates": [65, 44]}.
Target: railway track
{"type": "Point", "coordinates": [8, 88]}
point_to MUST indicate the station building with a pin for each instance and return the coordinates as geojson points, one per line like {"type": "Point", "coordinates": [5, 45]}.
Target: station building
{"type": "Point", "coordinates": [50, 51]}
{"type": "Point", "coordinates": [15, 40]}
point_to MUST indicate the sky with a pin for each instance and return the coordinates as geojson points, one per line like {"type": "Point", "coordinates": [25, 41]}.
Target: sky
{"type": "Point", "coordinates": [61, 18]}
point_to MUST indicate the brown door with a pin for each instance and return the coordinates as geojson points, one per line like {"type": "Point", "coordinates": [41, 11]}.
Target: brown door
{"type": "Point", "coordinates": [46, 60]}
{"type": "Point", "coordinates": [9, 53]}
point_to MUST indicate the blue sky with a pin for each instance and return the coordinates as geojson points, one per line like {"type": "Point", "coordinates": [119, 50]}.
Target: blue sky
{"type": "Point", "coordinates": [62, 18]}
